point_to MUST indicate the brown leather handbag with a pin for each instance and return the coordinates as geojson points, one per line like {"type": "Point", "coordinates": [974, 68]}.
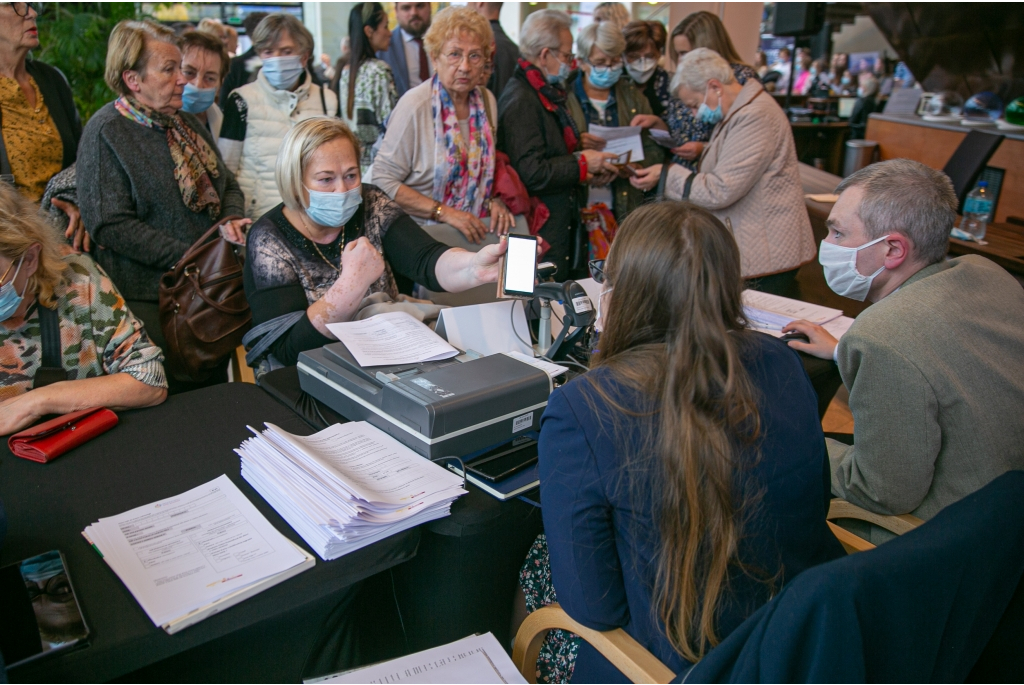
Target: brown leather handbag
{"type": "Point", "coordinates": [203, 310]}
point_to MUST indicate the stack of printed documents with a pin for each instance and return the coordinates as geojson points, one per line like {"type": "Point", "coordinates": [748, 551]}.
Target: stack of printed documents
{"type": "Point", "coordinates": [190, 556]}
{"type": "Point", "coordinates": [771, 313]}
{"type": "Point", "coordinates": [347, 486]}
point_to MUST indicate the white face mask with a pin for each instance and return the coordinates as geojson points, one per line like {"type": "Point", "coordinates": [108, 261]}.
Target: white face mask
{"type": "Point", "coordinates": [599, 321]}
{"type": "Point", "coordinates": [641, 70]}
{"type": "Point", "coordinates": [840, 264]}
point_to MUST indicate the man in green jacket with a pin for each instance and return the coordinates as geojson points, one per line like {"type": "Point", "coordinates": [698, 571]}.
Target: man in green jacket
{"type": "Point", "coordinates": [935, 367]}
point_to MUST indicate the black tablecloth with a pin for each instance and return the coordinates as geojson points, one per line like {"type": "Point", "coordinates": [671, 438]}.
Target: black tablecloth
{"type": "Point", "coordinates": [153, 454]}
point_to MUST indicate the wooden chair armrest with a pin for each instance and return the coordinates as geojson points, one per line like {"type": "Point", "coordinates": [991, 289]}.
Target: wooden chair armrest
{"type": "Point", "coordinates": [625, 653]}
{"type": "Point", "coordinates": [850, 542]}
{"type": "Point", "coordinates": [241, 371]}
{"type": "Point", "coordinates": [841, 509]}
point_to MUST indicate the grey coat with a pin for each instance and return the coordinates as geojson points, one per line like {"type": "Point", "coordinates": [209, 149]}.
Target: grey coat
{"type": "Point", "coordinates": [131, 204]}
{"type": "Point", "coordinates": [936, 379]}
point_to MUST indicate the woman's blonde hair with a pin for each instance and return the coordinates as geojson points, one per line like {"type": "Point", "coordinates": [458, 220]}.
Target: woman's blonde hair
{"type": "Point", "coordinates": [614, 12]}
{"type": "Point", "coordinates": [128, 50]}
{"type": "Point", "coordinates": [21, 227]}
{"type": "Point", "coordinates": [298, 146]}
{"type": "Point", "coordinates": [454, 21]}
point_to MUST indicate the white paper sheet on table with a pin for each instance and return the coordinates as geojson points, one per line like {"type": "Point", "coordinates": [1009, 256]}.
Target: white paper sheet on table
{"type": "Point", "coordinates": [621, 139]}
{"type": "Point", "coordinates": [184, 552]}
{"type": "Point", "coordinates": [487, 328]}
{"type": "Point", "coordinates": [662, 138]}
{"type": "Point", "coordinates": [547, 367]}
{"type": "Point", "coordinates": [475, 659]}
{"type": "Point", "coordinates": [392, 338]}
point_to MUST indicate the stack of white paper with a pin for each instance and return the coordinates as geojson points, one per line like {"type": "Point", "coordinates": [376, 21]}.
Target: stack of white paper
{"type": "Point", "coordinates": [187, 557]}
{"type": "Point", "coordinates": [772, 312]}
{"type": "Point", "coordinates": [347, 486]}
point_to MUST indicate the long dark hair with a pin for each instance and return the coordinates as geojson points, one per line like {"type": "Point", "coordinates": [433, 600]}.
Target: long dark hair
{"type": "Point", "coordinates": [674, 331]}
{"type": "Point", "coordinates": [705, 30]}
{"type": "Point", "coordinates": [362, 15]}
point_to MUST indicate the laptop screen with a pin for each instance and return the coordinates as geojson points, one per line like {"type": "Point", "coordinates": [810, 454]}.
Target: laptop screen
{"type": "Point", "coordinates": [846, 107]}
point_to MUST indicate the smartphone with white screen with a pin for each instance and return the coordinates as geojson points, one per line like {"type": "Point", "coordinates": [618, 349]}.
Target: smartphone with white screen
{"type": "Point", "coordinates": [519, 272]}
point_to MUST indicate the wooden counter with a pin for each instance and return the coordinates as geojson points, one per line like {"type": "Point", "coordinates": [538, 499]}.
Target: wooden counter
{"type": "Point", "coordinates": [933, 144]}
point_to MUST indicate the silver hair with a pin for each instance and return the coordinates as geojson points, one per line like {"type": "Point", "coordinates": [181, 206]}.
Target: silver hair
{"type": "Point", "coordinates": [909, 197]}
{"type": "Point", "coordinates": [542, 29]}
{"type": "Point", "coordinates": [699, 66]}
{"type": "Point", "coordinates": [269, 31]}
{"type": "Point", "coordinates": [605, 36]}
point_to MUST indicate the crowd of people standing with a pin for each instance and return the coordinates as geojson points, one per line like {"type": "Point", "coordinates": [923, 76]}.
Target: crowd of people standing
{"type": "Point", "coordinates": [328, 186]}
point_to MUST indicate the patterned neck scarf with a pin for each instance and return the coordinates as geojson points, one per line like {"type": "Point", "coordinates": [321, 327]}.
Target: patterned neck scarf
{"type": "Point", "coordinates": [195, 162]}
{"type": "Point", "coordinates": [553, 97]}
{"type": "Point", "coordinates": [463, 170]}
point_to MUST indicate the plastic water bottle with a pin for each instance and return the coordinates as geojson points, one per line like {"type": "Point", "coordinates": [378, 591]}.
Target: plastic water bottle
{"type": "Point", "coordinates": [977, 210]}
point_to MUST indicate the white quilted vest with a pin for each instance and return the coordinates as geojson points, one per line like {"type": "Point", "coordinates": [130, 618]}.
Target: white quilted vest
{"type": "Point", "coordinates": [271, 114]}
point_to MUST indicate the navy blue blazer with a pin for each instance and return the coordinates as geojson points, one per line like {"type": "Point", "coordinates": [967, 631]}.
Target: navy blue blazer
{"type": "Point", "coordinates": [395, 57]}
{"type": "Point", "coordinates": [599, 512]}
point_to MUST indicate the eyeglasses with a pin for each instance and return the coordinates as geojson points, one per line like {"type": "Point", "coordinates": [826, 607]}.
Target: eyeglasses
{"type": "Point", "coordinates": [455, 58]}
{"type": "Point", "coordinates": [597, 270]}
{"type": "Point", "coordinates": [22, 8]}
{"type": "Point", "coordinates": [569, 56]}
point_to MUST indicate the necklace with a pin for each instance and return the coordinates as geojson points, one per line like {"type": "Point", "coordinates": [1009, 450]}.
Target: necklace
{"type": "Point", "coordinates": [317, 247]}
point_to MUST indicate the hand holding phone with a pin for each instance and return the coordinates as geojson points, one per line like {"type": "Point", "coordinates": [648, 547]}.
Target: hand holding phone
{"type": "Point", "coordinates": [519, 268]}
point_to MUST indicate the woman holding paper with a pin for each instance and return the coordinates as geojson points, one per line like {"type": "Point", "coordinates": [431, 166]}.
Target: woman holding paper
{"type": "Point", "coordinates": [334, 241]}
{"type": "Point", "coordinates": [437, 159]}
{"type": "Point", "coordinates": [748, 173]}
{"type": "Point", "coordinates": [599, 96]}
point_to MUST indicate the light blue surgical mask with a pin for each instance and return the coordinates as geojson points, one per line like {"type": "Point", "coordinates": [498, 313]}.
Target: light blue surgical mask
{"type": "Point", "coordinates": [333, 209]}
{"type": "Point", "coordinates": [605, 77]}
{"type": "Point", "coordinates": [563, 73]}
{"type": "Point", "coordinates": [710, 116]}
{"type": "Point", "coordinates": [599, 321]}
{"type": "Point", "coordinates": [197, 100]}
{"type": "Point", "coordinates": [10, 300]}
{"type": "Point", "coordinates": [283, 72]}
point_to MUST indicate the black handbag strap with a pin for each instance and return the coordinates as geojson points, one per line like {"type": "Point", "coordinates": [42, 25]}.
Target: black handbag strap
{"type": "Point", "coordinates": [663, 179]}
{"type": "Point", "coordinates": [52, 369]}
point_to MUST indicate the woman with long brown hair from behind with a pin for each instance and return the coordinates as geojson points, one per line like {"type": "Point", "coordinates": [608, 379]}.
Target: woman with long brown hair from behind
{"type": "Point", "coordinates": [683, 479]}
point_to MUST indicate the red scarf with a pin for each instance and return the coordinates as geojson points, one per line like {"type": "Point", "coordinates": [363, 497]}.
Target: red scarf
{"type": "Point", "coordinates": [552, 97]}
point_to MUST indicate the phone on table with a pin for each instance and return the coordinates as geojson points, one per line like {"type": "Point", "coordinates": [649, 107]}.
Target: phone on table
{"type": "Point", "coordinates": [519, 268]}
{"type": "Point", "coordinates": [41, 615]}
{"type": "Point", "coordinates": [504, 461]}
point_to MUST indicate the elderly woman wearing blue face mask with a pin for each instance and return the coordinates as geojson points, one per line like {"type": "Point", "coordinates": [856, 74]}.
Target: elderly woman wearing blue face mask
{"type": "Point", "coordinates": [204, 62]}
{"type": "Point", "coordinates": [748, 173]}
{"type": "Point", "coordinates": [259, 114]}
{"type": "Point", "coordinates": [599, 94]}
{"type": "Point", "coordinates": [335, 240]}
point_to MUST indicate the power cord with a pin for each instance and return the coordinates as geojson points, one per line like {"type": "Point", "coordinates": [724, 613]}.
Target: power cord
{"type": "Point", "coordinates": [461, 464]}
{"type": "Point", "coordinates": [512, 320]}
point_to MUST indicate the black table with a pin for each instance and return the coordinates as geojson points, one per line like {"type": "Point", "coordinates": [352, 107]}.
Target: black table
{"type": "Point", "coordinates": [153, 454]}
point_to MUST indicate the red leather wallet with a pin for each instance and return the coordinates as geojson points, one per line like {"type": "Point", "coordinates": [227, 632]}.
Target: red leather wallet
{"type": "Point", "coordinates": [47, 441]}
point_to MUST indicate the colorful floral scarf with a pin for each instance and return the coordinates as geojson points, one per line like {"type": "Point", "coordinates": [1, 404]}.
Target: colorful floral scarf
{"type": "Point", "coordinates": [195, 162]}
{"type": "Point", "coordinates": [552, 97]}
{"type": "Point", "coordinates": [463, 170]}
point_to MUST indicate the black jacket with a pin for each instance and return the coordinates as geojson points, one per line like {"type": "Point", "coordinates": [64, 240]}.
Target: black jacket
{"type": "Point", "coordinates": [934, 605]}
{"type": "Point", "coordinates": [531, 136]}
{"type": "Point", "coordinates": [61, 103]}
{"type": "Point", "coordinates": [506, 54]}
